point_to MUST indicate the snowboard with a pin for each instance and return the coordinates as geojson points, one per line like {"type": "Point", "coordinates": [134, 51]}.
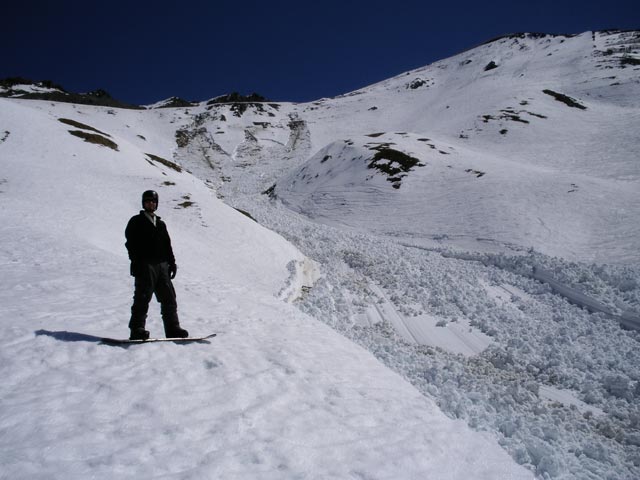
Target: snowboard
{"type": "Point", "coordinates": [126, 341]}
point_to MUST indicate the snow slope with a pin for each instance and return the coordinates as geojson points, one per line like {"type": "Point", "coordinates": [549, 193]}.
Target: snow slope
{"type": "Point", "coordinates": [428, 256]}
{"type": "Point", "coordinates": [498, 158]}
{"type": "Point", "coordinates": [275, 395]}
{"type": "Point", "coordinates": [504, 171]}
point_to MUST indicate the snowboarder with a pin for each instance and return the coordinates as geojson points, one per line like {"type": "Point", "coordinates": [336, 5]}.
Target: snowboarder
{"type": "Point", "coordinates": [153, 266]}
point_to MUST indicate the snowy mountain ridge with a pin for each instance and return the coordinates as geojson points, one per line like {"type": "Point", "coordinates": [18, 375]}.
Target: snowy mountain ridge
{"type": "Point", "coordinates": [507, 112]}
{"type": "Point", "coordinates": [415, 212]}
{"type": "Point", "coordinates": [507, 125]}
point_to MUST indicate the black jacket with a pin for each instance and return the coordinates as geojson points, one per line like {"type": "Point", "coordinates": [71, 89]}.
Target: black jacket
{"type": "Point", "coordinates": [146, 243]}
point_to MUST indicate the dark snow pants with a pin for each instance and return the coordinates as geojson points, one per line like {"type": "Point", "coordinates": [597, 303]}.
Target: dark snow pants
{"type": "Point", "coordinates": [154, 279]}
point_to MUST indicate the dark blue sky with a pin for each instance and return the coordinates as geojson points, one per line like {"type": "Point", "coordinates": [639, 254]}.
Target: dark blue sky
{"type": "Point", "coordinates": [142, 52]}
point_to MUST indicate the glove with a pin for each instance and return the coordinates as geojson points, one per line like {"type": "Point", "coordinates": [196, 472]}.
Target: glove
{"type": "Point", "coordinates": [135, 269]}
{"type": "Point", "coordinates": [173, 269]}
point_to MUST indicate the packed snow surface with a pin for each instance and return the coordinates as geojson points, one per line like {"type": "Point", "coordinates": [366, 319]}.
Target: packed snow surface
{"type": "Point", "coordinates": [473, 225]}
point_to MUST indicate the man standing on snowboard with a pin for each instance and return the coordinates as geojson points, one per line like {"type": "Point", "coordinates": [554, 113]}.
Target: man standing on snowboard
{"type": "Point", "coordinates": [153, 266]}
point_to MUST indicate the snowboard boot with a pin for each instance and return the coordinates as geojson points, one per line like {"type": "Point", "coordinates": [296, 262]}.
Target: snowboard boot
{"type": "Point", "coordinates": [177, 332]}
{"type": "Point", "coordinates": [139, 334]}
